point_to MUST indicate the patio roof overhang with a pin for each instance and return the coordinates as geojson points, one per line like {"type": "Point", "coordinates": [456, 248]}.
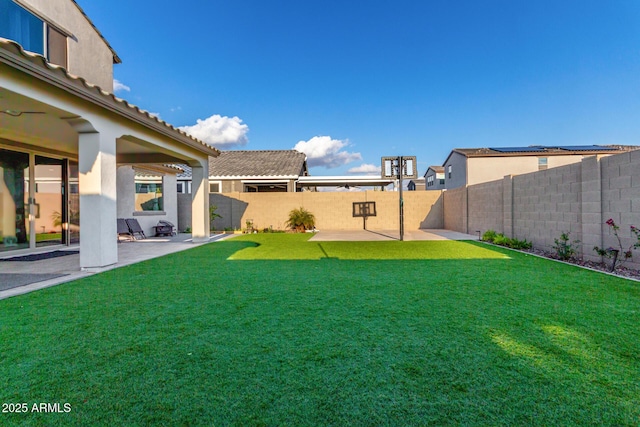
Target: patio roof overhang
{"type": "Point", "coordinates": [44, 109]}
{"type": "Point", "coordinates": [343, 181]}
{"type": "Point", "coordinates": [41, 104]}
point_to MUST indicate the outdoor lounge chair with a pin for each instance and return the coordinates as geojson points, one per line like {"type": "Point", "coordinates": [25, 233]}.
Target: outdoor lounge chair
{"type": "Point", "coordinates": [123, 230]}
{"type": "Point", "coordinates": [134, 227]}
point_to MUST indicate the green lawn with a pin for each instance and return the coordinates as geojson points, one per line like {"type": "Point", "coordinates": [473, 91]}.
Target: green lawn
{"type": "Point", "coordinates": [271, 329]}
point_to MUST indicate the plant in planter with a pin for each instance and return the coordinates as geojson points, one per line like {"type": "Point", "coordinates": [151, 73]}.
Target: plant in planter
{"type": "Point", "coordinates": [616, 252]}
{"type": "Point", "coordinates": [565, 249]}
{"type": "Point", "coordinates": [301, 220]}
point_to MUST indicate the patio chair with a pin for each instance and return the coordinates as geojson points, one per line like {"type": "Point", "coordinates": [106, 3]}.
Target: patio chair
{"type": "Point", "coordinates": [134, 227]}
{"type": "Point", "coordinates": [123, 230]}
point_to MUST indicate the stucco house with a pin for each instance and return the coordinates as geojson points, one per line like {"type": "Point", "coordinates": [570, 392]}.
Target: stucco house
{"type": "Point", "coordinates": [469, 166]}
{"type": "Point", "coordinates": [417, 184]}
{"type": "Point", "coordinates": [70, 150]}
{"type": "Point", "coordinates": [434, 178]}
{"type": "Point", "coordinates": [251, 171]}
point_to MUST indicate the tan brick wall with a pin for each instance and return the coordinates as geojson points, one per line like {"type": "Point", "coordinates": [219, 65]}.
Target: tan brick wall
{"type": "Point", "coordinates": [538, 206]}
{"type": "Point", "coordinates": [621, 199]}
{"type": "Point", "coordinates": [455, 209]}
{"type": "Point", "coordinates": [485, 205]}
{"type": "Point", "coordinates": [333, 210]}
{"type": "Point", "coordinates": [547, 203]}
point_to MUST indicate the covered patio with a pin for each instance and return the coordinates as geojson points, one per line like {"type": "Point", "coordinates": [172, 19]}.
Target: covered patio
{"type": "Point", "coordinates": [20, 277]}
{"type": "Point", "coordinates": [68, 155]}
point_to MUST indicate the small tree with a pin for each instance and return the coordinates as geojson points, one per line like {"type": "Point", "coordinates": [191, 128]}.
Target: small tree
{"type": "Point", "coordinates": [213, 215]}
{"type": "Point", "coordinates": [301, 220]}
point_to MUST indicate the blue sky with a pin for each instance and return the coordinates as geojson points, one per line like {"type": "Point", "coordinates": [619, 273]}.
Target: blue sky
{"type": "Point", "coordinates": [351, 81]}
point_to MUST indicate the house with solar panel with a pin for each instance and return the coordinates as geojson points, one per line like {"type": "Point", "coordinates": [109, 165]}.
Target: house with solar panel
{"type": "Point", "coordinates": [469, 166]}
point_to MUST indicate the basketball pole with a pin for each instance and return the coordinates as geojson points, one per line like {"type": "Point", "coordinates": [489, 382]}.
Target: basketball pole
{"type": "Point", "coordinates": [401, 207]}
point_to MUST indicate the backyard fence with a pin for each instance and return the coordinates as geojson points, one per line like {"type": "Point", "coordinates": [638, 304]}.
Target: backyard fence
{"type": "Point", "coordinates": [540, 206]}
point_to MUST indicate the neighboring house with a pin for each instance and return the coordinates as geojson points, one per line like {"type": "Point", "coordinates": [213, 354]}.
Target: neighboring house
{"type": "Point", "coordinates": [70, 149]}
{"type": "Point", "coordinates": [434, 178]}
{"type": "Point", "coordinates": [469, 166]}
{"type": "Point", "coordinates": [245, 171]}
{"type": "Point", "coordinates": [417, 184]}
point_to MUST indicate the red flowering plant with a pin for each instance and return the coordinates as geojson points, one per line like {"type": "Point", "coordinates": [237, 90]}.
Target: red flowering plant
{"type": "Point", "coordinates": [614, 252]}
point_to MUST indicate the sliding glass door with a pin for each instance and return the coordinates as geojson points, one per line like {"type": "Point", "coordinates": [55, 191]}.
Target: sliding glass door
{"type": "Point", "coordinates": [39, 201]}
{"type": "Point", "coordinates": [49, 215]}
{"type": "Point", "coordinates": [14, 216]}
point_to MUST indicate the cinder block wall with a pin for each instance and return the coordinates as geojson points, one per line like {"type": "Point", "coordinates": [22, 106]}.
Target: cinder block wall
{"type": "Point", "coordinates": [333, 210]}
{"type": "Point", "coordinates": [540, 206]}
{"type": "Point", "coordinates": [455, 209]}
{"type": "Point", "coordinates": [620, 183]}
{"type": "Point", "coordinates": [485, 207]}
{"type": "Point", "coordinates": [547, 203]}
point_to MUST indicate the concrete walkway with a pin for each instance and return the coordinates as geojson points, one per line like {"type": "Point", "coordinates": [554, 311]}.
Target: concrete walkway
{"type": "Point", "coordinates": [380, 235]}
{"type": "Point", "coordinates": [50, 272]}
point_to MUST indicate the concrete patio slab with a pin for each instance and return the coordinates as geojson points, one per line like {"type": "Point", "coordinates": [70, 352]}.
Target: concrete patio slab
{"type": "Point", "coordinates": [27, 276]}
{"type": "Point", "coordinates": [381, 235]}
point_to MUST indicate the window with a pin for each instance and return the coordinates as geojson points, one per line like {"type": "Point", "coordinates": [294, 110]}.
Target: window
{"type": "Point", "coordinates": [180, 187]}
{"type": "Point", "coordinates": [149, 196]}
{"type": "Point", "coordinates": [57, 47]}
{"type": "Point", "coordinates": [214, 187]}
{"type": "Point", "coordinates": [449, 170]}
{"type": "Point", "coordinates": [32, 33]}
{"type": "Point", "coordinates": [542, 163]}
{"type": "Point", "coordinates": [430, 181]}
{"type": "Point", "coordinates": [22, 26]}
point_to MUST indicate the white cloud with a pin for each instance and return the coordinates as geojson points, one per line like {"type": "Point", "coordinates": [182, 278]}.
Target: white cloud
{"type": "Point", "coordinates": [220, 131]}
{"type": "Point", "coordinates": [327, 152]}
{"type": "Point", "coordinates": [365, 168]}
{"type": "Point", "coordinates": [119, 87]}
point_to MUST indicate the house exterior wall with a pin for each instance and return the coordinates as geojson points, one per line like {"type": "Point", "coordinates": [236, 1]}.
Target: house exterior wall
{"type": "Point", "coordinates": [484, 169]}
{"type": "Point", "coordinates": [458, 164]}
{"type": "Point", "coordinates": [333, 210]}
{"type": "Point", "coordinates": [88, 55]}
{"type": "Point", "coordinates": [126, 206]}
{"type": "Point", "coordinates": [436, 180]}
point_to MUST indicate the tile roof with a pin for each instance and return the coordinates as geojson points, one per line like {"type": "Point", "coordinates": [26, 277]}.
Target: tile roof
{"type": "Point", "coordinates": [255, 164]}
{"type": "Point", "coordinates": [536, 150]}
{"type": "Point", "coordinates": [15, 56]}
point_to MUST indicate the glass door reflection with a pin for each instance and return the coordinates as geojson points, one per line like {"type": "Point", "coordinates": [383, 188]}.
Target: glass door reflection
{"type": "Point", "coordinates": [48, 213]}
{"type": "Point", "coordinates": [14, 170]}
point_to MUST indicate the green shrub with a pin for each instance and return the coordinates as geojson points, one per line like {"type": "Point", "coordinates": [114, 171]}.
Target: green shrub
{"type": "Point", "coordinates": [489, 236]}
{"type": "Point", "coordinates": [502, 240]}
{"type": "Point", "coordinates": [301, 220]}
{"type": "Point", "coordinates": [565, 249]}
{"type": "Point", "coordinates": [519, 244]}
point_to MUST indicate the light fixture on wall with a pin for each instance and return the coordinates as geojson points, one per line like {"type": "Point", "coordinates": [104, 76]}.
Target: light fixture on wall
{"type": "Point", "coordinates": [16, 113]}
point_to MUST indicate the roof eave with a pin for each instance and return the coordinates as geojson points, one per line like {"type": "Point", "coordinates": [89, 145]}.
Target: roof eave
{"type": "Point", "coordinates": [12, 54]}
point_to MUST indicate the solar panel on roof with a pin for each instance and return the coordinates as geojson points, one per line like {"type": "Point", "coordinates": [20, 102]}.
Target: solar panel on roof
{"type": "Point", "coordinates": [587, 148]}
{"type": "Point", "coordinates": [517, 149]}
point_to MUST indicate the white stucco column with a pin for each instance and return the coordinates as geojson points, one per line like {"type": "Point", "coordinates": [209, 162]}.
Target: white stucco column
{"type": "Point", "coordinates": [200, 202]}
{"type": "Point", "coordinates": [98, 207]}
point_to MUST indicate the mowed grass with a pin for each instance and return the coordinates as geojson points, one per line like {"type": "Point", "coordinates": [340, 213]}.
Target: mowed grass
{"type": "Point", "coordinates": [277, 330]}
